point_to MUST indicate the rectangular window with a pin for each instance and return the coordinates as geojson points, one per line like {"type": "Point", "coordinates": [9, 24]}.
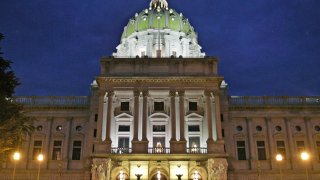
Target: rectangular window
{"type": "Point", "coordinates": [241, 150]}
{"type": "Point", "coordinates": [194, 142]}
{"type": "Point", "coordinates": [261, 148]}
{"type": "Point", "coordinates": [318, 148]}
{"type": "Point", "coordinates": [159, 142]}
{"type": "Point", "coordinates": [193, 106]}
{"type": "Point", "coordinates": [124, 106]}
{"type": "Point", "coordinates": [281, 148]}
{"type": "Point", "coordinates": [76, 152]}
{"type": "Point", "coordinates": [222, 132]}
{"type": "Point", "coordinates": [300, 147]}
{"type": "Point", "coordinates": [123, 142]}
{"type": "Point", "coordinates": [194, 128]}
{"type": "Point", "coordinates": [143, 53]}
{"type": "Point", "coordinates": [37, 149]}
{"type": "Point", "coordinates": [93, 148]}
{"type": "Point", "coordinates": [221, 117]}
{"type": "Point", "coordinates": [95, 117]}
{"type": "Point", "coordinates": [158, 106]}
{"type": "Point", "coordinates": [95, 133]}
{"type": "Point", "coordinates": [56, 151]}
{"type": "Point", "coordinates": [159, 128]}
{"type": "Point", "coordinates": [123, 128]}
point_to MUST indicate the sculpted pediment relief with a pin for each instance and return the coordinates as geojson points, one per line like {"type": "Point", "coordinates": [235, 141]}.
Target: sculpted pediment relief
{"type": "Point", "coordinates": [194, 116]}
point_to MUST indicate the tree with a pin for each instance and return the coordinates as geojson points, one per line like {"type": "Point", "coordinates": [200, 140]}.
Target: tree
{"type": "Point", "coordinates": [14, 124]}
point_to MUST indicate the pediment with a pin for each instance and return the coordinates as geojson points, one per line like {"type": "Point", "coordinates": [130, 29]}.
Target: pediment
{"type": "Point", "coordinates": [159, 116]}
{"type": "Point", "coordinates": [123, 116]}
{"type": "Point", "coordinates": [194, 116]}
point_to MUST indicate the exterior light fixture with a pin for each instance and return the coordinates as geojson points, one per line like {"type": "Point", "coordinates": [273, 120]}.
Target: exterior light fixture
{"type": "Point", "coordinates": [159, 175]}
{"type": "Point", "coordinates": [196, 175]}
{"type": "Point", "coordinates": [305, 157]}
{"type": "Point", "coordinates": [279, 158]}
{"type": "Point", "coordinates": [121, 175]}
{"type": "Point", "coordinates": [179, 172]}
{"type": "Point", "coordinates": [139, 172]}
{"type": "Point", "coordinates": [40, 158]}
{"type": "Point", "coordinates": [16, 157]}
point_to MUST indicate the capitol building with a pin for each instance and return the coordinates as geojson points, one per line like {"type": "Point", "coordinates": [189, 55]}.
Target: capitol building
{"type": "Point", "coordinates": [159, 110]}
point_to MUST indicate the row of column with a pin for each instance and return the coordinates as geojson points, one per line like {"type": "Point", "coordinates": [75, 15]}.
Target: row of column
{"type": "Point", "coordinates": [175, 146]}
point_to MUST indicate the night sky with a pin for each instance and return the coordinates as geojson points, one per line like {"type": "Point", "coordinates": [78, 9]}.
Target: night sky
{"type": "Point", "coordinates": [265, 47]}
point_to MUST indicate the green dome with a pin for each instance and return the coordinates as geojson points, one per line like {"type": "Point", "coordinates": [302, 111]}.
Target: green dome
{"type": "Point", "coordinates": [157, 19]}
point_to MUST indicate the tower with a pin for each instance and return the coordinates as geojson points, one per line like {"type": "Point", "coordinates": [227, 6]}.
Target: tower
{"type": "Point", "coordinates": [159, 103]}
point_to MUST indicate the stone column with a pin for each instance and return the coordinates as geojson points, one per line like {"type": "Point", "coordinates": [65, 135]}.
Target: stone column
{"type": "Point", "coordinates": [270, 141]}
{"type": "Point", "coordinates": [182, 114]}
{"type": "Point", "coordinates": [173, 140]}
{"type": "Point", "coordinates": [136, 115]}
{"type": "Point", "coordinates": [290, 141]}
{"type": "Point", "coordinates": [102, 94]}
{"type": "Point", "coordinates": [108, 128]}
{"type": "Point", "coordinates": [210, 142]}
{"type": "Point", "coordinates": [218, 117]}
{"type": "Point", "coordinates": [310, 141]}
{"type": "Point", "coordinates": [250, 142]}
{"type": "Point", "coordinates": [144, 142]}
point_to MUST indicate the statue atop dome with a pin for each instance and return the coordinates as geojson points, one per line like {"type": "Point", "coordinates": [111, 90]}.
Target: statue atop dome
{"type": "Point", "coordinates": [154, 4]}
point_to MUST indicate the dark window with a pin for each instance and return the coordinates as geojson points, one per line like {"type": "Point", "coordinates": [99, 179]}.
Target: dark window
{"type": "Point", "coordinates": [78, 128]}
{"type": "Point", "coordinates": [159, 128]}
{"type": "Point", "coordinates": [193, 106]}
{"type": "Point", "coordinates": [123, 142]}
{"type": "Point", "coordinates": [124, 128]}
{"type": "Point", "coordinates": [298, 128]}
{"type": "Point", "coordinates": [261, 148]}
{"type": "Point", "coordinates": [56, 151]}
{"type": "Point", "coordinates": [194, 128]}
{"type": "Point", "coordinates": [39, 128]}
{"type": "Point", "coordinates": [317, 128]}
{"type": "Point", "coordinates": [158, 53]}
{"type": "Point", "coordinates": [241, 150]}
{"type": "Point", "coordinates": [37, 149]}
{"type": "Point", "coordinates": [95, 133]}
{"type": "Point", "coordinates": [76, 152]}
{"type": "Point", "coordinates": [259, 128]}
{"type": "Point", "coordinates": [221, 117]}
{"type": "Point", "coordinates": [124, 106]}
{"type": "Point", "coordinates": [239, 128]}
{"type": "Point", "coordinates": [300, 147]}
{"type": "Point", "coordinates": [174, 53]}
{"type": "Point", "coordinates": [194, 142]}
{"type": "Point", "coordinates": [222, 132]}
{"type": "Point", "coordinates": [158, 106]}
{"type": "Point", "coordinates": [95, 117]}
{"type": "Point", "coordinates": [318, 149]}
{"type": "Point", "coordinates": [278, 128]}
{"type": "Point", "coordinates": [92, 148]}
{"type": "Point", "coordinates": [281, 148]}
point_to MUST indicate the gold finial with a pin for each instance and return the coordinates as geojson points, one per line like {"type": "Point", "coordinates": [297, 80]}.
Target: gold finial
{"type": "Point", "coordinates": [163, 4]}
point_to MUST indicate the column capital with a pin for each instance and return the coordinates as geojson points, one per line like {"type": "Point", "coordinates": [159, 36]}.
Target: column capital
{"type": "Point", "coordinates": [102, 92]}
{"type": "Point", "coordinates": [208, 92]}
{"type": "Point", "coordinates": [136, 92]}
{"type": "Point", "coordinates": [109, 93]}
{"type": "Point", "coordinates": [173, 93]}
{"type": "Point", "coordinates": [216, 92]}
{"type": "Point", "coordinates": [181, 92]}
{"type": "Point", "coordinates": [145, 92]}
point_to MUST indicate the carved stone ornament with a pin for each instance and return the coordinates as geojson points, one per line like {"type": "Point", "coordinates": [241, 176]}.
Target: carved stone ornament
{"type": "Point", "coordinates": [100, 169]}
{"type": "Point", "coordinates": [217, 169]}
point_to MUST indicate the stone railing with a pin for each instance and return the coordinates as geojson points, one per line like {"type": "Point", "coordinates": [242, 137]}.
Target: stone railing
{"type": "Point", "coordinates": [53, 101]}
{"type": "Point", "coordinates": [274, 100]}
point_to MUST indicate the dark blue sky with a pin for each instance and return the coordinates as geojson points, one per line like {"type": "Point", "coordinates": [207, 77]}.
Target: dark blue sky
{"type": "Point", "coordinates": [265, 47]}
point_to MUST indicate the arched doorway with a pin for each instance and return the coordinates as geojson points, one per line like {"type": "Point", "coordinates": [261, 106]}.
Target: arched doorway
{"type": "Point", "coordinates": [162, 177]}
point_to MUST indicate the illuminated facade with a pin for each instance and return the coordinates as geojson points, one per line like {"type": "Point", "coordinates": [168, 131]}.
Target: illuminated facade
{"type": "Point", "coordinates": [160, 110]}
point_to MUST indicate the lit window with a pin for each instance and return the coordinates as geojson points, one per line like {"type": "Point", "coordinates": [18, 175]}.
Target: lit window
{"type": "Point", "coordinates": [76, 152]}
{"type": "Point", "coordinates": [300, 146]}
{"type": "Point", "coordinates": [318, 148]}
{"type": "Point", "coordinates": [123, 142]}
{"type": "Point", "coordinates": [56, 152]}
{"type": "Point", "coordinates": [281, 148]}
